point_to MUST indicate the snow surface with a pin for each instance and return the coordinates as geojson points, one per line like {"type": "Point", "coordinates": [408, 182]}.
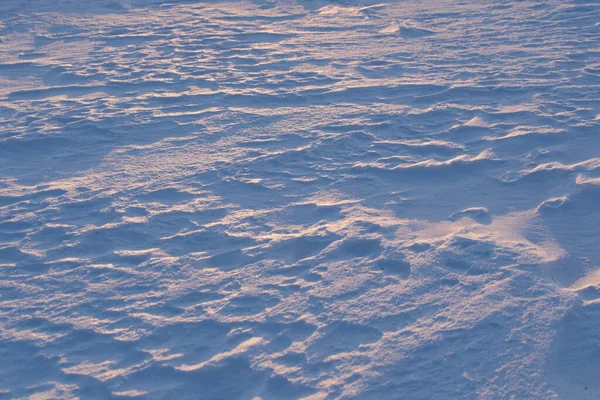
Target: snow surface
{"type": "Point", "coordinates": [311, 199]}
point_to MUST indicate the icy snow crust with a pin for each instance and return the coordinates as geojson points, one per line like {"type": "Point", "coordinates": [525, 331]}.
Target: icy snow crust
{"type": "Point", "coordinates": [277, 200]}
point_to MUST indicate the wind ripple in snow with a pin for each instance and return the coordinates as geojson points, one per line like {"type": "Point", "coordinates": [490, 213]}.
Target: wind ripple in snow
{"type": "Point", "coordinates": [299, 199]}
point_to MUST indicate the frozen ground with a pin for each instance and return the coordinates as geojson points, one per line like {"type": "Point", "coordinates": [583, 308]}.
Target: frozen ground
{"type": "Point", "coordinates": [319, 199]}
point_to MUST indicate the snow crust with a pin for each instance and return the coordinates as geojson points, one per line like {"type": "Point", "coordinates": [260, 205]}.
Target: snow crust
{"type": "Point", "coordinates": [300, 199]}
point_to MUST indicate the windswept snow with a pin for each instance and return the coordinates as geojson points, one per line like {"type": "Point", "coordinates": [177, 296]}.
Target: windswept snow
{"type": "Point", "coordinates": [300, 199]}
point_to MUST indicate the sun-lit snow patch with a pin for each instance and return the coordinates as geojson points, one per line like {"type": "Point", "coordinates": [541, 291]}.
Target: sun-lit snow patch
{"type": "Point", "coordinates": [335, 10]}
{"type": "Point", "coordinates": [130, 393]}
{"type": "Point", "coordinates": [408, 29]}
{"type": "Point", "coordinates": [240, 349]}
{"type": "Point", "coordinates": [587, 181]}
{"type": "Point", "coordinates": [102, 371]}
{"type": "Point", "coordinates": [462, 159]}
{"type": "Point", "coordinates": [477, 121]}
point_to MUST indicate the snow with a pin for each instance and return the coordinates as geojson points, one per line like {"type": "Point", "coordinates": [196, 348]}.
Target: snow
{"type": "Point", "coordinates": [299, 199]}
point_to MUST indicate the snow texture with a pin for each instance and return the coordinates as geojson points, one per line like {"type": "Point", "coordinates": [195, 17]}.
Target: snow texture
{"type": "Point", "coordinates": [300, 199]}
